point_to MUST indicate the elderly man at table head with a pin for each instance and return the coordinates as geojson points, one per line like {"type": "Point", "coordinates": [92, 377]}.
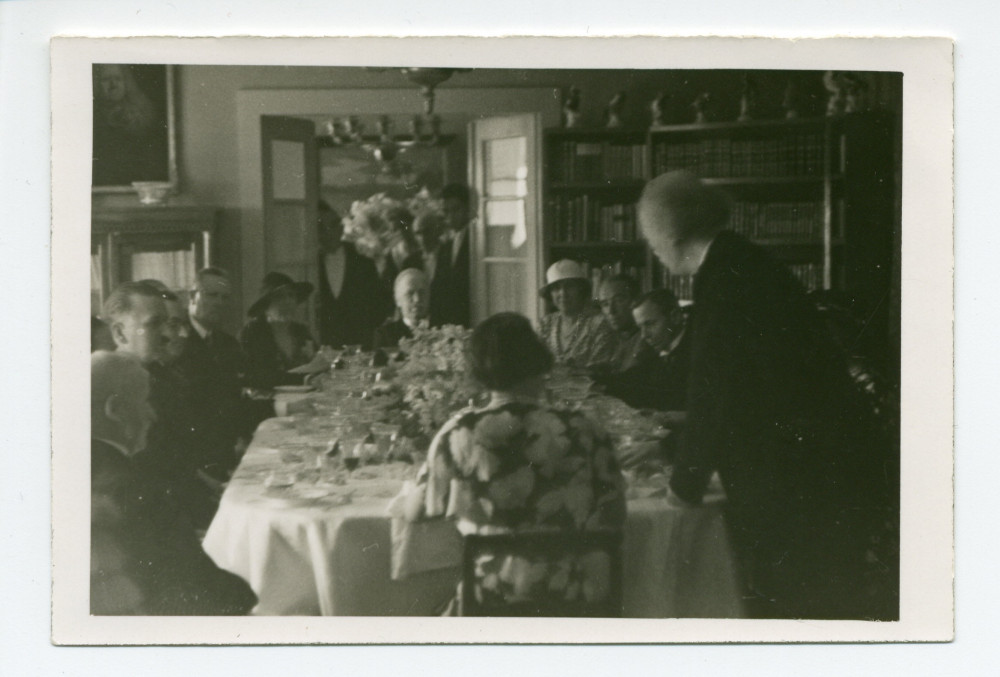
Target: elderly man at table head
{"type": "Point", "coordinates": [770, 408]}
{"type": "Point", "coordinates": [145, 556]}
{"type": "Point", "coordinates": [412, 295]}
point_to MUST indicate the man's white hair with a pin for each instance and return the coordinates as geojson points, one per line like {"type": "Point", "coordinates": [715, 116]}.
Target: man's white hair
{"type": "Point", "coordinates": [694, 209]}
{"type": "Point", "coordinates": [409, 274]}
{"type": "Point", "coordinates": [112, 374]}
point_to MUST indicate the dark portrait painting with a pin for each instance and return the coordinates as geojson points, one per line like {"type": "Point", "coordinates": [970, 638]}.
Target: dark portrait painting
{"type": "Point", "coordinates": [133, 125]}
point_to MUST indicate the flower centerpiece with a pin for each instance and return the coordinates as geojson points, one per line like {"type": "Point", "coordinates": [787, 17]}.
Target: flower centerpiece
{"type": "Point", "coordinates": [368, 226]}
{"type": "Point", "coordinates": [435, 378]}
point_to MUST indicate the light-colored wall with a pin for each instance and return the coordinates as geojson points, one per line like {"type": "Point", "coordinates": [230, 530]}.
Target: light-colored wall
{"type": "Point", "coordinates": [208, 152]}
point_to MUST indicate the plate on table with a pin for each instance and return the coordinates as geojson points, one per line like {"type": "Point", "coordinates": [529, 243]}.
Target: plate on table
{"type": "Point", "coordinates": [294, 389]}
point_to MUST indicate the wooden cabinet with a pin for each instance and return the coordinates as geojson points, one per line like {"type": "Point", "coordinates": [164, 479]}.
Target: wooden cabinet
{"type": "Point", "coordinates": [169, 243]}
{"type": "Point", "coordinates": [817, 193]}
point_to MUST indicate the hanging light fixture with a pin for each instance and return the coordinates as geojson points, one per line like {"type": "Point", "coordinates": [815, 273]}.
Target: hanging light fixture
{"type": "Point", "coordinates": [385, 146]}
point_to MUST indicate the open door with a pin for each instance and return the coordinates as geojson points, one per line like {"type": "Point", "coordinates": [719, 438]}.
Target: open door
{"type": "Point", "coordinates": [290, 192]}
{"type": "Point", "coordinates": [505, 167]}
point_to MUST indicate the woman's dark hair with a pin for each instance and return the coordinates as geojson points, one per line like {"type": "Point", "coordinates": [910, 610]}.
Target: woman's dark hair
{"type": "Point", "coordinates": [504, 350]}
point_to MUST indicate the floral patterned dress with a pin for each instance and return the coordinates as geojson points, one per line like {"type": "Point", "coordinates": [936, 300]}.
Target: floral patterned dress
{"type": "Point", "coordinates": [584, 342]}
{"type": "Point", "coordinates": [514, 466]}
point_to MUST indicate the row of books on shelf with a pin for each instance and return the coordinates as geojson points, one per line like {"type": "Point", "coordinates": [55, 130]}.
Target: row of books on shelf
{"type": "Point", "coordinates": [810, 275]}
{"type": "Point", "coordinates": [770, 220]}
{"type": "Point", "coordinates": [582, 218]}
{"type": "Point", "coordinates": [579, 161]}
{"type": "Point", "coordinates": [798, 155]}
{"type": "Point", "coordinates": [681, 285]}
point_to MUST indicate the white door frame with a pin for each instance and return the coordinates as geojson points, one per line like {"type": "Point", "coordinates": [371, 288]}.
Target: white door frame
{"type": "Point", "coordinates": [252, 103]}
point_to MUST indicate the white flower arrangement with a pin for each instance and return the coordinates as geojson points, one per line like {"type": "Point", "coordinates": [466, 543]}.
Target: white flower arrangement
{"type": "Point", "coordinates": [368, 225]}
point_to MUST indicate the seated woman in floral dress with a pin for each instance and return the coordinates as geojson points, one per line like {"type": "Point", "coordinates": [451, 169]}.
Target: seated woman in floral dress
{"type": "Point", "coordinates": [272, 341]}
{"type": "Point", "coordinates": [517, 465]}
{"type": "Point", "coordinates": [577, 332]}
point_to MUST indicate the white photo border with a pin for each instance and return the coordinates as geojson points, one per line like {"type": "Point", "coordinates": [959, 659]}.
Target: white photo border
{"type": "Point", "coordinates": [927, 553]}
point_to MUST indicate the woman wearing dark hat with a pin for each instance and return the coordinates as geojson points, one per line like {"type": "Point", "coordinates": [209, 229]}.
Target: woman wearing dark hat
{"type": "Point", "coordinates": [272, 340]}
{"type": "Point", "coordinates": [576, 333]}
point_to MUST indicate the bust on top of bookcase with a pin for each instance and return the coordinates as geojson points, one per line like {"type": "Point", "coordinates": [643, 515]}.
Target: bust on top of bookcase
{"type": "Point", "coordinates": [816, 192]}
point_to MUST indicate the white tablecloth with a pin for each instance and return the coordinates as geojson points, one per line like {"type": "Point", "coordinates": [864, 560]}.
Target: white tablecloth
{"type": "Point", "coordinates": [327, 557]}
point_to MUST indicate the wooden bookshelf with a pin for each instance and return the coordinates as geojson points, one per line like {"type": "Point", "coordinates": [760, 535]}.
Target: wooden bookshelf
{"type": "Point", "coordinates": [815, 192]}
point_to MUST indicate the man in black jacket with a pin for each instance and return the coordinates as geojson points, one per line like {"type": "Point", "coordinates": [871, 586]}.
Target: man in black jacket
{"type": "Point", "coordinates": [451, 284]}
{"type": "Point", "coordinates": [145, 556]}
{"type": "Point", "coordinates": [772, 409]}
{"type": "Point", "coordinates": [213, 366]}
{"type": "Point", "coordinates": [350, 302]}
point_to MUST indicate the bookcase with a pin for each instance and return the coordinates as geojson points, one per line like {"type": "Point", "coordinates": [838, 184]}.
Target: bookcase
{"type": "Point", "coordinates": [818, 193]}
{"type": "Point", "coordinates": [591, 182]}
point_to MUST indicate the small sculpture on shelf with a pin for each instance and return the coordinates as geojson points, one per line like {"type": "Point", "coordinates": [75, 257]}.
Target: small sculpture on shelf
{"type": "Point", "coordinates": [614, 111]}
{"type": "Point", "coordinates": [848, 92]}
{"type": "Point", "coordinates": [856, 94]}
{"type": "Point", "coordinates": [572, 117]}
{"type": "Point", "coordinates": [748, 100]}
{"type": "Point", "coordinates": [700, 105]}
{"type": "Point", "coordinates": [834, 84]}
{"type": "Point", "coordinates": [790, 101]}
{"type": "Point", "coordinates": [658, 108]}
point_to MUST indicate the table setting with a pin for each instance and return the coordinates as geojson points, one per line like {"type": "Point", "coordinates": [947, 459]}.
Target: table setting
{"type": "Point", "coordinates": [311, 518]}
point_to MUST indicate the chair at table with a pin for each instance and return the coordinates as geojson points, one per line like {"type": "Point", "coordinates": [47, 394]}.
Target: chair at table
{"type": "Point", "coordinates": [543, 574]}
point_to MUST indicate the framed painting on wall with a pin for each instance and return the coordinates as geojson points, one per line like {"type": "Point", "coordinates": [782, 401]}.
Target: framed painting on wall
{"type": "Point", "coordinates": [134, 126]}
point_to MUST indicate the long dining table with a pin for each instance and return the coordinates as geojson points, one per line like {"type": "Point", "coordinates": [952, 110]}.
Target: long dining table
{"type": "Point", "coordinates": [313, 538]}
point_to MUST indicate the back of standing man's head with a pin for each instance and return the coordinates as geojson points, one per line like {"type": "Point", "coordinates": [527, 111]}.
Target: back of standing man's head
{"type": "Point", "coordinates": [679, 206]}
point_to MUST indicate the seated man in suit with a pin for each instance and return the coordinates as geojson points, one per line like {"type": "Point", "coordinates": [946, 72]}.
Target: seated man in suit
{"type": "Point", "coordinates": [145, 556]}
{"type": "Point", "coordinates": [412, 300]}
{"type": "Point", "coordinates": [658, 379]}
{"type": "Point", "coordinates": [616, 296]}
{"type": "Point", "coordinates": [350, 301]}
{"type": "Point", "coordinates": [213, 365]}
{"type": "Point", "coordinates": [140, 323]}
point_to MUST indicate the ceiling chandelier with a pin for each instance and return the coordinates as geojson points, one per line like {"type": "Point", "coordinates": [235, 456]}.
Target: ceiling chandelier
{"type": "Point", "coordinates": [385, 145]}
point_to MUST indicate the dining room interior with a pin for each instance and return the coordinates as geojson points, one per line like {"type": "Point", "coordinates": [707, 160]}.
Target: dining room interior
{"type": "Point", "coordinates": [382, 429]}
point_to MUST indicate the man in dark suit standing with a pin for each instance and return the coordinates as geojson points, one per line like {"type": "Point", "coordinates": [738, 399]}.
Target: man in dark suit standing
{"type": "Point", "coordinates": [772, 409]}
{"type": "Point", "coordinates": [350, 302]}
{"type": "Point", "coordinates": [145, 556]}
{"type": "Point", "coordinates": [450, 287]}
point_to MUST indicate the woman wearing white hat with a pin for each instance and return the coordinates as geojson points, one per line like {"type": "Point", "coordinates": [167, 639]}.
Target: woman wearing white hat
{"type": "Point", "coordinates": [576, 333]}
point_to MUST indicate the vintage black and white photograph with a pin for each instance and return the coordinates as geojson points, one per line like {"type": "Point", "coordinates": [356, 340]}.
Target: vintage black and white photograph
{"type": "Point", "coordinates": [478, 341]}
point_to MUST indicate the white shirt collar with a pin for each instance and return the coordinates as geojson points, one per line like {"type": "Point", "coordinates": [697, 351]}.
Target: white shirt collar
{"type": "Point", "coordinates": [198, 327]}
